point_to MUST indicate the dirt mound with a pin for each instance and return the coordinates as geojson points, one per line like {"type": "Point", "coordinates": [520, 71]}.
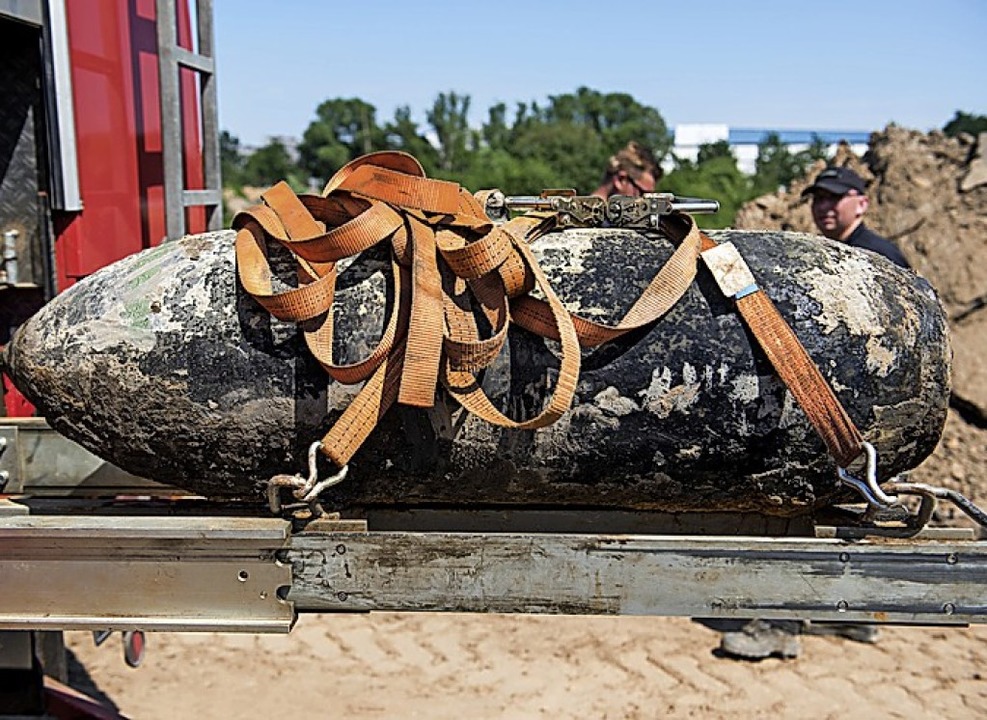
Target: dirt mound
{"type": "Point", "coordinates": [929, 197]}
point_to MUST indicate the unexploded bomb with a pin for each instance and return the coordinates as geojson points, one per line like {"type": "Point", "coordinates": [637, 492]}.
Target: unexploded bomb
{"type": "Point", "coordinates": [161, 364]}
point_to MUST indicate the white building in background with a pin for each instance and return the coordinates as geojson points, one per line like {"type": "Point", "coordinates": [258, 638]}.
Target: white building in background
{"type": "Point", "coordinates": [744, 141]}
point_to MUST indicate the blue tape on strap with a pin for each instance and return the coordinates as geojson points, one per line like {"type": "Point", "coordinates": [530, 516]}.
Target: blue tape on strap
{"type": "Point", "coordinates": [749, 290]}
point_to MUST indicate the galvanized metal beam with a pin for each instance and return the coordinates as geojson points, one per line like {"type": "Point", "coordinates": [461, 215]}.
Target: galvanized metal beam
{"type": "Point", "coordinates": [250, 575]}
{"type": "Point", "coordinates": [900, 581]}
{"type": "Point", "coordinates": [149, 573]}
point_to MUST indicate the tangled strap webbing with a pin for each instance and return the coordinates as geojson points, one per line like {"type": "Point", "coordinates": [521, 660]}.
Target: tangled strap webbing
{"type": "Point", "coordinates": [448, 262]}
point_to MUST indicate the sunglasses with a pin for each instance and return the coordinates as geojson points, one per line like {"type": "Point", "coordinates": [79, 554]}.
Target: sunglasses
{"type": "Point", "coordinates": [640, 189]}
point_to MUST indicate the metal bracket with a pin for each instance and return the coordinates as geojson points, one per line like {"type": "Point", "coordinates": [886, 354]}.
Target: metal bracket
{"type": "Point", "coordinates": [10, 464]}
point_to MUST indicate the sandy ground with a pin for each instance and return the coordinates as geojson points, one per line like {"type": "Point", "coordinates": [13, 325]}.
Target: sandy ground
{"type": "Point", "coordinates": [390, 665]}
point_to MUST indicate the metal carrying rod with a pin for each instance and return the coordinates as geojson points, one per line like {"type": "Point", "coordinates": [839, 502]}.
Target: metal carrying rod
{"type": "Point", "coordinates": [695, 206]}
{"type": "Point", "coordinates": [666, 202]}
{"type": "Point", "coordinates": [592, 211]}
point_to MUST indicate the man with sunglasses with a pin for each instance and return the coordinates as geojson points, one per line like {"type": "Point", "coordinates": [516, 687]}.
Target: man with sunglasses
{"type": "Point", "coordinates": [839, 201]}
{"type": "Point", "coordinates": [633, 171]}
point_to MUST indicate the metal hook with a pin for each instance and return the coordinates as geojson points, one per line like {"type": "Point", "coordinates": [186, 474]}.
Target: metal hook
{"type": "Point", "coordinates": [305, 490]}
{"type": "Point", "coordinates": [877, 499]}
{"type": "Point", "coordinates": [931, 493]}
{"type": "Point", "coordinates": [868, 487]}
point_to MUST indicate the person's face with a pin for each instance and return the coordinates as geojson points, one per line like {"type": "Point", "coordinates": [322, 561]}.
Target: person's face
{"type": "Point", "coordinates": [624, 184]}
{"type": "Point", "coordinates": [837, 215]}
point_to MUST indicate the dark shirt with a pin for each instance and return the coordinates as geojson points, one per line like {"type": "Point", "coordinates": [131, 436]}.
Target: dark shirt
{"type": "Point", "coordinates": [864, 237]}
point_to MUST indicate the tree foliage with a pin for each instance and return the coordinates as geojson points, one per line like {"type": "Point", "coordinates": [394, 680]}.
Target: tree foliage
{"type": "Point", "coordinates": [776, 166]}
{"type": "Point", "coordinates": [449, 118]}
{"type": "Point", "coordinates": [714, 175]}
{"type": "Point", "coordinates": [342, 131]}
{"type": "Point", "coordinates": [270, 164]}
{"type": "Point", "coordinates": [561, 143]}
{"type": "Point", "coordinates": [402, 133]}
{"type": "Point", "coordinates": [965, 123]}
{"type": "Point", "coordinates": [711, 151]}
{"type": "Point", "coordinates": [576, 133]}
{"type": "Point", "coordinates": [230, 159]}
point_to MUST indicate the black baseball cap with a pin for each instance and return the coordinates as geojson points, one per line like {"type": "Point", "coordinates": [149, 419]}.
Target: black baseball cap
{"type": "Point", "coordinates": [837, 180]}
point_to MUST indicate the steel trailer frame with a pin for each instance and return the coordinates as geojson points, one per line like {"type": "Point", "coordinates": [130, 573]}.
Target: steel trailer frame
{"type": "Point", "coordinates": [152, 559]}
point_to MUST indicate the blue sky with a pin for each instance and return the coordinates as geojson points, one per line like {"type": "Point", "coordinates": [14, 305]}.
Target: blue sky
{"type": "Point", "coordinates": [782, 64]}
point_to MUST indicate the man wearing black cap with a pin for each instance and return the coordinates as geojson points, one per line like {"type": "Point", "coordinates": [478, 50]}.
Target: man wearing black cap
{"type": "Point", "coordinates": [839, 201]}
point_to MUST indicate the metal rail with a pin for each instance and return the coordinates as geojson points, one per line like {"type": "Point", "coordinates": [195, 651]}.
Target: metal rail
{"type": "Point", "coordinates": [252, 575]}
{"type": "Point", "coordinates": [718, 577]}
{"type": "Point", "coordinates": [68, 561]}
{"type": "Point", "coordinates": [150, 573]}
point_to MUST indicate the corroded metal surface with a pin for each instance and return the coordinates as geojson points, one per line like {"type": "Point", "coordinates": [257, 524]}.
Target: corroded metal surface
{"type": "Point", "coordinates": [161, 364]}
{"type": "Point", "coordinates": [924, 582]}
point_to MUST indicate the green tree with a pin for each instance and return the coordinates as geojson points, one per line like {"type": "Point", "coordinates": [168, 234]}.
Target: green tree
{"type": "Point", "coordinates": [498, 168]}
{"type": "Point", "coordinates": [575, 134]}
{"type": "Point", "coordinates": [715, 176]}
{"type": "Point", "coordinates": [449, 119]}
{"type": "Point", "coordinates": [574, 154]}
{"type": "Point", "coordinates": [402, 134]}
{"type": "Point", "coordinates": [271, 164]}
{"type": "Point", "coordinates": [564, 143]}
{"type": "Point", "coordinates": [711, 151]}
{"type": "Point", "coordinates": [616, 117]}
{"type": "Point", "coordinates": [775, 166]}
{"type": "Point", "coordinates": [965, 123]}
{"type": "Point", "coordinates": [230, 159]}
{"type": "Point", "coordinates": [496, 134]}
{"type": "Point", "coordinates": [342, 131]}
{"type": "Point", "coordinates": [818, 150]}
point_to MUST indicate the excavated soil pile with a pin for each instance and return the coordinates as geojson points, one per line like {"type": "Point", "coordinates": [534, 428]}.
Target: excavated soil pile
{"type": "Point", "coordinates": [928, 196]}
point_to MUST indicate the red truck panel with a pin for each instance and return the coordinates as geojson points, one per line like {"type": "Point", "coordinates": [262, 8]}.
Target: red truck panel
{"type": "Point", "coordinates": [113, 52]}
{"type": "Point", "coordinates": [116, 97]}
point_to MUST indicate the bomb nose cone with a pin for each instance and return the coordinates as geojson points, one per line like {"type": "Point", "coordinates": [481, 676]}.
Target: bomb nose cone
{"type": "Point", "coordinates": [18, 372]}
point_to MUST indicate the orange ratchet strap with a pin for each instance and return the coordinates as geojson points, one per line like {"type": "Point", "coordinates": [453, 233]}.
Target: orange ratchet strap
{"type": "Point", "coordinates": [448, 261]}
{"type": "Point", "coordinates": [786, 353]}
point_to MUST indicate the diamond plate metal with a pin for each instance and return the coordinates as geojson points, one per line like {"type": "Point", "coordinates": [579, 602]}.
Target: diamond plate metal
{"type": "Point", "coordinates": [20, 156]}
